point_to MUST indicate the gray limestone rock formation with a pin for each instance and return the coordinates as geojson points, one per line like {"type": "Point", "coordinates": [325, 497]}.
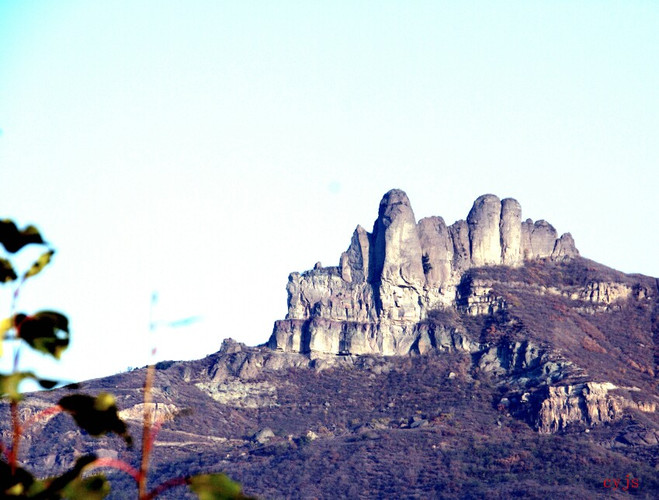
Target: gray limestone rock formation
{"type": "Point", "coordinates": [354, 262]}
{"type": "Point", "coordinates": [510, 228]}
{"type": "Point", "coordinates": [388, 280]}
{"type": "Point", "coordinates": [538, 239]}
{"type": "Point", "coordinates": [484, 231]}
{"type": "Point", "coordinates": [437, 251]}
{"type": "Point", "coordinates": [397, 259]}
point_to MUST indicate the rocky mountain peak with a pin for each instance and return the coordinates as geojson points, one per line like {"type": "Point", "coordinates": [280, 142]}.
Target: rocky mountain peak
{"type": "Point", "coordinates": [510, 295]}
{"type": "Point", "coordinates": [509, 333]}
{"type": "Point", "coordinates": [484, 221]}
{"type": "Point", "coordinates": [394, 203]}
{"type": "Point", "coordinates": [387, 281]}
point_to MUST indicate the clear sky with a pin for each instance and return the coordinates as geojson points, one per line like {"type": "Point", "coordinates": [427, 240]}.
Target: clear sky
{"type": "Point", "coordinates": [206, 149]}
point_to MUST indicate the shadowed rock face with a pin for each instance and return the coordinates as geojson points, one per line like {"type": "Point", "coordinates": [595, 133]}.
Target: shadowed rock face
{"type": "Point", "coordinates": [389, 279]}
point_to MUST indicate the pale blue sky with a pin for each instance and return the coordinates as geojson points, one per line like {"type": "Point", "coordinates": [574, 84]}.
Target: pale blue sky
{"type": "Point", "coordinates": [205, 149]}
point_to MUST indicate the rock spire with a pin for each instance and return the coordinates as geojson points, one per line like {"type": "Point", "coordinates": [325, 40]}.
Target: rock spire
{"type": "Point", "coordinates": [387, 280]}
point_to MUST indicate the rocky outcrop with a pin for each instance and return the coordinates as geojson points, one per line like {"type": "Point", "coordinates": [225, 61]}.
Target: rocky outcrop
{"type": "Point", "coordinates": [437, 251]}
{"type": "Point", "coordinates": [355, 261]}
{"type": "Point", "coordinates": [389, 279]}
{"type": "Point", "coordinates": [476, 297]}
{"type": "Point", "coordinates": [484, 221]}
{"type": "Point", "coordinates": [605, 293]}
{"type": "Point", "coordinates": [590, 403]}
{"type": "Point", "coordinates": [398, 276]}
{"type": "Point", "coordinates": [161, 412]}
{"type": "Point", "coordinates": [511, 232]}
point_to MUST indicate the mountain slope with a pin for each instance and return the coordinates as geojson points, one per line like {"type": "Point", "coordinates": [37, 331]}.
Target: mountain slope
{"type": "Point", "coordinates": [485, 362]}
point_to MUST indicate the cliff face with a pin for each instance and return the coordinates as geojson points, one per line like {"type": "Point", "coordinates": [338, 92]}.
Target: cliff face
{"type": "Point", "coordinates": [388, 280]}
{"type": "Point", "coordinates": [510, 294]}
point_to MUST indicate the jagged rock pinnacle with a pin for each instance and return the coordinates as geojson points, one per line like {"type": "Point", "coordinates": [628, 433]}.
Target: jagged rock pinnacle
{"type": "Point", "coordinates": [389, 279]}
{"type": "Point", "coordinates": [484, 221]}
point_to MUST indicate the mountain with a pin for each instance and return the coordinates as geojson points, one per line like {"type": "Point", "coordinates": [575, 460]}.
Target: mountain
{"type": "Point", "coordinates": [390, 280]}
{"type": "Point", "coordinates": [485, 359]}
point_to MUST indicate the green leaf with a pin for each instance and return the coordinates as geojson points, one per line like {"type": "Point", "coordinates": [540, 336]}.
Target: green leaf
{"type": "Point", "coordinates": [215, 487]}
{"type": "Point", "coordinates": [39, 264]}
{"type": "Point", "coordinates": [96, 415]}
{"type": "Point", "coordinates": [13, 239]}
{"type": "Point", "coordinates": [7, 272]}
{"type": "Point", "coordinates": [46, 331]}
{"type": "Point", "coordinates": [9, 384]}
{"type": "Point", "coordinates": [72, 485]}
{"type": "Point", "coordinates": [14, 485]}
{"type": "Point", "coordinates": [21, 484]}
{"type": "Point", "coordinates": [6, 325]}
{"type": "Point", "coordinates": [90, 488]}
{"type": "Point", "coordinates": [47, 384]}
{"type": "Point", "coordinates": [68, 485]}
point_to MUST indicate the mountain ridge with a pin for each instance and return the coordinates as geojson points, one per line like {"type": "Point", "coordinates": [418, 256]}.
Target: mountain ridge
{"type": "Point", "coordinates": [533, 375]}
{"type": "Point", "coordinates": [389, 279]}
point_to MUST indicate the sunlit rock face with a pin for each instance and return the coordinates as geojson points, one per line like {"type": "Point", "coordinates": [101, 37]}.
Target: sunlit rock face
{"type": "Point", "coordinates": [564, 248]}
{"type": "Point", "coordinates": [389, 279]}
{"type": "Point", "coordinates": [510, 227]}
{"type": "Point", "coordinates": [590, 403]}
{"type": "Point", "coordinates": [437, 249]}
{"type": "Point", "coordinates": [484, 231]}
{"type": "Point", "coordinates": [398, 265]}
{"type": "Point", "coordinates": [355, 261]}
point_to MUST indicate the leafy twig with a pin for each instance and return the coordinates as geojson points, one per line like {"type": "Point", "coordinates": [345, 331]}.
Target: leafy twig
{"type": "Point", "coordinates": [115, 464]}
{"type": "Point", "coordinates": [16, 436]}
